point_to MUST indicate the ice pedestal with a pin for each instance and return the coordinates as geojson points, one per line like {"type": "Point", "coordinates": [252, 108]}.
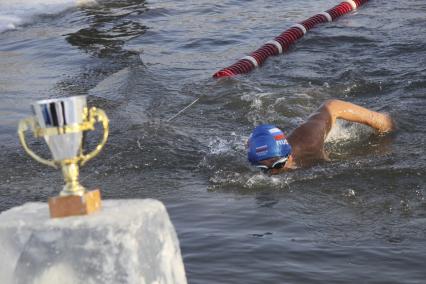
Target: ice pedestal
{"type": "Point", "coordinates": [128, 241]}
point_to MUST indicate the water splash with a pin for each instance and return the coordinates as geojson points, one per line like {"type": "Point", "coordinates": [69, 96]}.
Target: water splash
{"type": "Point", "coordinates": [219, 145]}
{"type": "Point", "coordinates": [344, 131]}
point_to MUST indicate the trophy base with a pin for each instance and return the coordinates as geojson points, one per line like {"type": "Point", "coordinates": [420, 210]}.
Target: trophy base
{"type": "Point", "coordinates": [74, 205]}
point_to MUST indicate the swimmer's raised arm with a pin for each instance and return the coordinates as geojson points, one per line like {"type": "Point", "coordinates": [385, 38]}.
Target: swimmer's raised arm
{"type": "Point", "coordinates": [310, 136]}
{"type": "Point", "coordinates": [382, 122]}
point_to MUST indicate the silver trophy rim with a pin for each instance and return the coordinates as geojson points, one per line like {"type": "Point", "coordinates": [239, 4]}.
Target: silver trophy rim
{"type": "Point", "coordinates": [47, 101]}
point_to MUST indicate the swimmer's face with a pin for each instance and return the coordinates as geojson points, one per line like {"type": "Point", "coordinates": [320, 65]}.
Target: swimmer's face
{"type": "Point", "coordinates": [278, 169]}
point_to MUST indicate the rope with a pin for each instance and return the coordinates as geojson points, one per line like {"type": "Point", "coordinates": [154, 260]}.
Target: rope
{"type": "Point", "coordinates": [283, 42]}
{"type": "Point", "coordinates": [182, 110]}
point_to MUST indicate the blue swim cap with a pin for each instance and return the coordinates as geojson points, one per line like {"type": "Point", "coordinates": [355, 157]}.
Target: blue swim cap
{"type": "Point", "coordinates": [265, 142]}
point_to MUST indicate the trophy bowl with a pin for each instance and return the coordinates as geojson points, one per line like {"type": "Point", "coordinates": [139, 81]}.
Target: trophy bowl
{"type": "Point", "coordinates": [62, 123]}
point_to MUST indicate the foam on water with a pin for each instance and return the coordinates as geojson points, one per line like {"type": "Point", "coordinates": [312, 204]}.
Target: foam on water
{"type": "Point", "coordinates": [14, 13]}
{"type": "Point", "coordinates": [218, 145]}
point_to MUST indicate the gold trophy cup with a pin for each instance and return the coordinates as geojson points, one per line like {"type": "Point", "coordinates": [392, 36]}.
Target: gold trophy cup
{"type": "Point", "coordinates": [62, 122]}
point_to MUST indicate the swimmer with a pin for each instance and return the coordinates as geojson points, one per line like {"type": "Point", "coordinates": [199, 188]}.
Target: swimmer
{"type": "Point", "coordinates": [273, 153]}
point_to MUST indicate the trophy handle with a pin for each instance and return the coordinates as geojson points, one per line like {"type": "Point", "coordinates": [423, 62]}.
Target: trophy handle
{"type": "Point", "coordinates": [24, 125]}
{"type": "Point", "coordinates": [97, 115]}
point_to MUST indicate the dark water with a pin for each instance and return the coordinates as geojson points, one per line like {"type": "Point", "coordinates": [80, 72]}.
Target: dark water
{"type": "Point", "coordinates": [360, 218]}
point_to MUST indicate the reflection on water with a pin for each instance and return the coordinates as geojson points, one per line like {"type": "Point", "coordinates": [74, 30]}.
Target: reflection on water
{"type": "Point", "coordinates": [110, 26]}
{"type": "Point", "coordinates": [360, 215]}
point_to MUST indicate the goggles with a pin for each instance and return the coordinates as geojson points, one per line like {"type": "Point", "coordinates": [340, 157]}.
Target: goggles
{"type": "Point", "coordinates": [279, 164]}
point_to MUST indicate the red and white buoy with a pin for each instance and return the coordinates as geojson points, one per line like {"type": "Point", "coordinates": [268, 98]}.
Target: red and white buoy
{"type": "Point", "coordinates": [282, 42]}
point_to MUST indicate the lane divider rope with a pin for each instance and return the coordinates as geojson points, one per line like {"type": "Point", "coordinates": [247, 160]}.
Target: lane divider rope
{"type": "Point", "coordinates": [277, 45]}
{"type": "Point", "coordinates": [327, 16]}
{"type": "Point", "coordinates": [251, 59]}
{"type": "Point", "coordinates": [301, 27]}
{"type": "Point", "coordinates": [283, 42]}
{"type": "Point", "coordinates": [353, 4]}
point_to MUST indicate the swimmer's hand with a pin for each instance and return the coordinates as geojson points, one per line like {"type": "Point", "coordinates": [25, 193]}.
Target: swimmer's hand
{"type": "Point", "coordinates": [383, 123]}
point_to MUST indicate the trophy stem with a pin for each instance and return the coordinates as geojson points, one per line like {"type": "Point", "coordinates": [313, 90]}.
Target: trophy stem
{"type": "Point", "coordinates": [72, 185]}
